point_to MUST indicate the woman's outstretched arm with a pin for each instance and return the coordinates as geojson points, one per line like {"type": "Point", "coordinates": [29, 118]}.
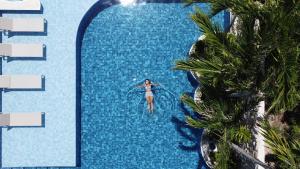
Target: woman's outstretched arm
{"type": "Point", "coordinates": [140, 86]}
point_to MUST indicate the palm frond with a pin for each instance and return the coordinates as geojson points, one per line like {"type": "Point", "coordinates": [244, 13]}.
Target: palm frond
{"type": "Point", "coordinates": [200, 109]}
{"type": "Point", "coordinates": [241, 134]}
{"type": "Point", "coordinates": [211, 125]}
{"type": "Point", "coordinates": [279, 146]}
{"type": "Point", "coordinates": [286, 95]}
{"type": "Point", "coordinates": [223, 154]}
{"type": "Point", "coordinates": [203, 67]}
{"type": "Point", "coordinates": [203, 21]}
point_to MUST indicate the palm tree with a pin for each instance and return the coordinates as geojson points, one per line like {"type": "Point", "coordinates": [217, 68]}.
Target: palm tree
{"type": "Point", "coordinates": [263, 56]}
{"type": "Point", "coordinates": [274, 48]}
{"type": "Point", "coordinates": [218, 70]}
{"type": "Point", "coordinates": [279, 44]}
{"type": "Point", "coordinates": [222, 118]}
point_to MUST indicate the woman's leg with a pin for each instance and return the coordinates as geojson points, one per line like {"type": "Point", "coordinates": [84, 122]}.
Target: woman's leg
{"type": "Point", "coordinates": [151, 103]}
{"type": "Point", "coordinates": [148, 103]}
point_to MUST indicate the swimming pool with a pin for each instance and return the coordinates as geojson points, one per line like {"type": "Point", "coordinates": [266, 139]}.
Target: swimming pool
{"type": "Point", "coordinates": [122, 46]}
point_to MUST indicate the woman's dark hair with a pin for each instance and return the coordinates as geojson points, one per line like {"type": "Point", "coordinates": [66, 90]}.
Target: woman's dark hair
{"type": "Point", "coordinates": [148, 80]}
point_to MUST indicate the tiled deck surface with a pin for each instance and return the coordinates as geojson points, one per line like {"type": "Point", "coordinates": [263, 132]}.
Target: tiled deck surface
{"type": "Point", "coordinates": [54, 144]}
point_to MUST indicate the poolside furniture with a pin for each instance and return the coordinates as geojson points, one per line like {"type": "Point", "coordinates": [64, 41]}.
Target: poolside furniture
{"type": "Point", "coordinates": [21, 81]}
{"type": "Point", "coordinates": [17, 5]}
{"type": "Point", "coordinates": [21, 119]}
{"type": "Point", "coordinates": [21, 50]}
{"type": "Point", "coordinates": [22, 24]}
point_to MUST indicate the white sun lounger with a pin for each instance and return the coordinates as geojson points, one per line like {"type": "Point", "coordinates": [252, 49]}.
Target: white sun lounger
{"type": "Point", "coordinates": [16, 5]}
{"type": "Point", "coordinates": [21, 119]}
{"type": "Point", "coordinates": [21, 81]}
{"type": "Point", "coordinates": [21, 50]}
{"type": "Point", "coordinates": [22, 24]}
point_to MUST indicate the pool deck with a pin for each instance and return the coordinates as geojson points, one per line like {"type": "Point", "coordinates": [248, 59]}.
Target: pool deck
{"type": "Point", "coordinates": [54, 144]}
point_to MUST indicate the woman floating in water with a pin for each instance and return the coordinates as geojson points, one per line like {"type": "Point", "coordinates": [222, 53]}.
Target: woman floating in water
{"type": "Point", "coordinates": [149, 93]}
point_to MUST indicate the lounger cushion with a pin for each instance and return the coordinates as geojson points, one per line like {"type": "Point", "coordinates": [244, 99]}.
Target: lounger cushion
{"type": "Point", "coordinates": [5, 49]}
{"type": "Point", "coordinates": [28, 25]}
{"type": "Point", "coordinates": [5, 24]}
{"type": "Point", "coordinates": [4, 119]}
{"type": "Point", "coordinates": [25, 119]}
{"type": "Point", "coordinates": [4, 81]}
{"type": "Point", "coordinates": [25, 82]}
{"type": "Point", "coordinates": [29, 50]}
{"type": "Point", "coordinates": [20, 5]}
{"type": "Point", "coordinates": [21, 81]}
{"type": "Point", "coordinates": [21, 119]}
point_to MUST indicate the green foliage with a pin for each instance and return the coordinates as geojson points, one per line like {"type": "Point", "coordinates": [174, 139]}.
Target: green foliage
{"type": "Point", "coordinates": [282, 85]}
{"type": "Point", "coordinates": [241, 134]}
{"type": "Point", "coordinates": [223, 155]}
{"type": "Point", "coordinates": [216, 112]}
{"type": "Point", "coordinates": [279, 43]}
{"type": "Point", "coordinates": [213, 117]}
{"type": "Point", "coordinates": [263, 56]}
{"type": "Point", "coordinates": [295, 131]}
{"type": "Point", "coordinates": [223, 58]}
{"type": "Point", "coordinates": [286, 152]}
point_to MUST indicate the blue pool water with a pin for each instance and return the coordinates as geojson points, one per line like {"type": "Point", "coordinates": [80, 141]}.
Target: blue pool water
{"type": "Point", "coordinates": [121, 47]}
